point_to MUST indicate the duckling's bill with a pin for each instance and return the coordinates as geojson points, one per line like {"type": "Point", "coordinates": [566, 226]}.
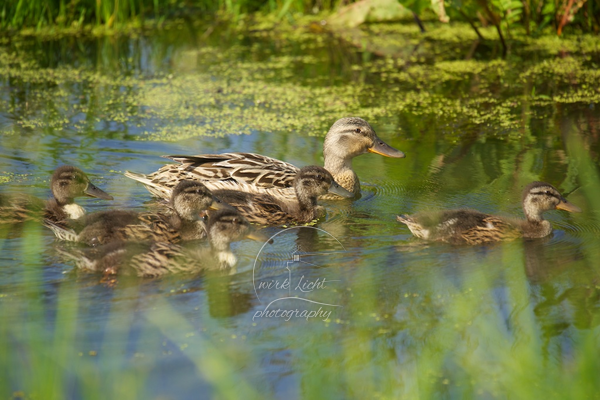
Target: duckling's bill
{"type": "Point", "coordinates": [217, 205]}
{"type": "Point", "coordinates": [335, 188]}
{"type": "Point", "coordinates": [567, 206]}
{"type": "Point", "coordinates": [382, 148]}
{"type": "Point", "coordinates": [94, 191]}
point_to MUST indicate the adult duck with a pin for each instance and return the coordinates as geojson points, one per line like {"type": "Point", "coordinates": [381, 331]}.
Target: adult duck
{"type": "Point", "coordinates": [255, 173]}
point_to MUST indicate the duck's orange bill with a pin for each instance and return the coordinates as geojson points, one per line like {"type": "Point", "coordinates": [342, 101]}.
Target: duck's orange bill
{"type": "Point", "coordinates": [570, 207]}
{"type": "Point", "coordinates": [384, 149]}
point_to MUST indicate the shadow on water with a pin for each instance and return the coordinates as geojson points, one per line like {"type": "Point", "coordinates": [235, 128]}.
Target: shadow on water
{"type": "Point", "coordinates": [365, 310]}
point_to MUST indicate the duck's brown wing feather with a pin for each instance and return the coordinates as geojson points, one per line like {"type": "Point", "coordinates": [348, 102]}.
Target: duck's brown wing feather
{"type": "Point", "coordinates": [23, 207]}
{"type": "Point", "coordinates": [250, 168]}
{"type": "Point", "coordinates": [462, 226]}
{"type": "Point", "coordinates": [152, 227]}
{"type": "Point", "coordinates": [128, 226]}
{"type": "Point", "coordinates": [490, 229]}
{"type": "Point", "coordinates": [248, 172]}
{"type": "Point", "coordinates": [256, 208]}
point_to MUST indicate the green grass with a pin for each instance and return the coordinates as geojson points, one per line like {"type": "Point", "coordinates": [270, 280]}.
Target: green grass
{"type": "Point", "coordinates": [109, 14]}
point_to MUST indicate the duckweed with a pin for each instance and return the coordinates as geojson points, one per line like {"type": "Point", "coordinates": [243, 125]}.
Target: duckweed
{"type": "Point", "coordinates": [239, 89]}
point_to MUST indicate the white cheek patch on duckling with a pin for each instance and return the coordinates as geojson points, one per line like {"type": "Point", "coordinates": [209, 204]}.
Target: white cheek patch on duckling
{"type": "Point", "coordinates": [74, 211]}
{"type": "Point", "coordinates": [489, 225]}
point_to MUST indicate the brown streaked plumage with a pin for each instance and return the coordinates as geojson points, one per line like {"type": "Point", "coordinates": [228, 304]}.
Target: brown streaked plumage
{"type": "Point", "coordinates": [258, 174]}
{"type": "Point", "coordinates": [309, 183]}
{"type": "Point", "coordinates": [189, 204]}
{"type": "Point", "coordinates": [473, 227]}
{"type": "Point", "coordinates": [66, 184]}
{"type": "Point", "coordinates": [161, 258]}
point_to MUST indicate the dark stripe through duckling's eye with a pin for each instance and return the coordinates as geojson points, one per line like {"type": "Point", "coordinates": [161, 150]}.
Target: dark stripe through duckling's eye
{"type": "Point", "coordinates": [545, 193]}
{"type": "Point", "coordinates": [67, 176]}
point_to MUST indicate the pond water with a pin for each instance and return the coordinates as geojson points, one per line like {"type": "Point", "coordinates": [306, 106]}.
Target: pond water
{"type": "Point", "coordinates": [388, 316]}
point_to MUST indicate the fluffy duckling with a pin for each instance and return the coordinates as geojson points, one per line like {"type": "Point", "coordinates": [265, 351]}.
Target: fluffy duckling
{"type": "Point", "coordinates": [161, 258]}
{"type": "Point", "coordinates": [264, 209]}
{"type": "Point", "coordinates": [189, 203]}
{"type": "Point", "coordinates": [254, 173]}
{"type": "Point", "coordinates": [67, 183]}
{"type": "Point", "coordinates": [472, 227]}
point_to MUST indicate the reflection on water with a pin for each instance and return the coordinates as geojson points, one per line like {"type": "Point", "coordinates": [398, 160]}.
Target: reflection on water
{"type": "Point", "coordinates": [406, 318]}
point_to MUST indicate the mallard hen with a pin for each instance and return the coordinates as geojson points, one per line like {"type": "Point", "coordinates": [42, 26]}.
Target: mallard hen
{"type": "Point", "coordinates": [466, 226]}
{"type": "Point", "coordinates": [255, 173]}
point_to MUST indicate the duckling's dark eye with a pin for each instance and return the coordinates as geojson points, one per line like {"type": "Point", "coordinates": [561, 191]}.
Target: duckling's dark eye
{"type": "Point", "coordinates": [320, 177]}
{"type": "Point", "coordinates": [63, 184]}
{"type": "Point", "coordinates": [357, 130]}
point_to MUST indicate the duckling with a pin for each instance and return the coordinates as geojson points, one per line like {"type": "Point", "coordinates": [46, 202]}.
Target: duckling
{"type": "Point", "coordinates": [67, 183]}
{"type": "Point", "coordinates": [190, 202]}
{"type": "Point", "coordinates": [258, 174]}
{"type": "Point", "coordinates": [160, 258]}
{"type": "Point", "coordinates": [466, 226]}
{"type": "Point", "coordinates": [264, 209]}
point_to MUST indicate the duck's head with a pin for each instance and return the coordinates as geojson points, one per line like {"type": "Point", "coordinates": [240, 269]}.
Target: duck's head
{"type": "Point", "coordinates": [191, 200]}
{"type": "Point", "coordinates": [541, 196]}
{"type": "Point", "coordinates": [353, 136]}
{"type": "Point", "coordinates": [313, 181]}
{"type": "Point", "coordinates": [226, 226]}
{"type": "Point", "coordinates": [69, 182]}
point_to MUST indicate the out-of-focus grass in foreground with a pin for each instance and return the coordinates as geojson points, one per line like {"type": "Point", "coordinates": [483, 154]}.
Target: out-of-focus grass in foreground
{"type": "Point", "coordinates": [481, 336]}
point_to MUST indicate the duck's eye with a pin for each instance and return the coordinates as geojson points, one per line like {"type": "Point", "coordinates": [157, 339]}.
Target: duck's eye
{"type": "Point", "coordinates": [320, 177]}
{"type": "Point", "coordinates": [63, 184]}
{"type": "Point", "coordinates": [357, 130]}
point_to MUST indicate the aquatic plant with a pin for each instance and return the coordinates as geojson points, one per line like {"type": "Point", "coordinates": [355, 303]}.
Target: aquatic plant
{"type": "Point", "coordinates": [532, 16]}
